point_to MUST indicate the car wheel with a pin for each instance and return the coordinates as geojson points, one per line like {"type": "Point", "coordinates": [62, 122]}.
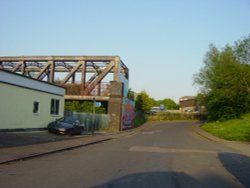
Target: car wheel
{"type": "Point", "coordinates": [71, 132]}
{"type": "Point", "coordinates": [81, 131]}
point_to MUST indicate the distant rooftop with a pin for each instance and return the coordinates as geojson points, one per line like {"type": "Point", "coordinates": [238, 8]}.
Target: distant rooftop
{"type": "Point", "coordinates": [185, 98]}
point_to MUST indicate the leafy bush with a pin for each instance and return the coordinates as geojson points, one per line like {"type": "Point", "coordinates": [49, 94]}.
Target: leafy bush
{"type": "Point", "coordinates": [139, 119]}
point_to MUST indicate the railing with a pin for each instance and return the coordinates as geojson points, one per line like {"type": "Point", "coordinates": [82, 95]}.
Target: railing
{"type": "Point", "coordinates": [92, 122]}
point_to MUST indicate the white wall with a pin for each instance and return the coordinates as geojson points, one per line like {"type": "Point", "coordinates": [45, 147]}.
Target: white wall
{"type": "Point", "coordinates": [16, 108]}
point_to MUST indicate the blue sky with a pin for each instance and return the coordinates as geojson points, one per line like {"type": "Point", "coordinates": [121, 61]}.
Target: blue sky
{"type": "Point", "coordinates": [162, 42]}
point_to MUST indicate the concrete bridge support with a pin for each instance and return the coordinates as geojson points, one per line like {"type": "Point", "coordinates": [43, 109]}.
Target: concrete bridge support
{"type": "Point", "coordinates": [115, 106]}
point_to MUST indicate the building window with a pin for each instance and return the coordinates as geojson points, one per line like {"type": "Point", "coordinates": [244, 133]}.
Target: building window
{"type": "Point", "coordinates": [54, 107]}
{"type": "Point", "coordinates": [36, 107]}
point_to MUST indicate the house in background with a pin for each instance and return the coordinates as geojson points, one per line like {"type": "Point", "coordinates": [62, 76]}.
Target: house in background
{"type": "Point", "coordinates": [26, 103]}
{"type": "Point", "coordinates": [188, 104]}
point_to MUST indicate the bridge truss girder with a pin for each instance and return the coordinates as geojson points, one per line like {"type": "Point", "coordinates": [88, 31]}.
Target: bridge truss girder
{"type": "Point", "coordinates": [45, 67]}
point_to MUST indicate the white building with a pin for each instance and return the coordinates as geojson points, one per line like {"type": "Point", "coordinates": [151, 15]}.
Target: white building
{"type": "Point", "coordinates": [26, 103]}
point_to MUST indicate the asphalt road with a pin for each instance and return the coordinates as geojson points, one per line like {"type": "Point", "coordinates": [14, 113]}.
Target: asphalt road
{"type": "Point", "coordinates": [163, 155]}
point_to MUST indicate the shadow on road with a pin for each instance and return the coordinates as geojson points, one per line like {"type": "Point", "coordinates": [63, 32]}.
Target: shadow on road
{"type": "Point", "coordinates": [169, 179]}
{"type": "Point", "coordinates": [14, 139]}
{"type": "Point", "coordinates": [151, 179]}
{"type": "Point", "coordinates": [238, 165]}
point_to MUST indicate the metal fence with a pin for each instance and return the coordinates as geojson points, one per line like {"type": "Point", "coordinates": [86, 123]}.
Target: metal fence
{"type": "Point", "coordinates": [93, 122]}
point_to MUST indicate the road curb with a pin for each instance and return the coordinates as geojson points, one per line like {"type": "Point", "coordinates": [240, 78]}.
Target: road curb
{"type": "Point", "coordinates": [35, 155]}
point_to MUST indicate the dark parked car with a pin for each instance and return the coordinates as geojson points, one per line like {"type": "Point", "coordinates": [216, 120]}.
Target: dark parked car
{"type": "Point", "coordinates": [66, 125]}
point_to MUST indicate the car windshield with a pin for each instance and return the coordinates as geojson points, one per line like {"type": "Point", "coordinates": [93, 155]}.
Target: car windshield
{"type": "Point", "coordinates": [69, 120]}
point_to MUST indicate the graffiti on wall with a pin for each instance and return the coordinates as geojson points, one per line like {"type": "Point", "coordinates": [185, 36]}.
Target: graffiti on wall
{"type": "Point", "coordinates": [128, 113]}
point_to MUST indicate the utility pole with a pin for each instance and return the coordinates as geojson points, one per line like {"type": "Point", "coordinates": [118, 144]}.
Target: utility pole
{"type": "Point", "coordinates": [93, 117]}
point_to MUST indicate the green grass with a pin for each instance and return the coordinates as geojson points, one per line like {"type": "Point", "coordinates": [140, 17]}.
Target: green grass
{"type": "Point", "coordinates": [236, 129]}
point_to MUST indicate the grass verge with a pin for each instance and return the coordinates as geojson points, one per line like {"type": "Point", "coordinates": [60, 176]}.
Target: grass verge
{"type": "Point", "coordinates": [235, 130]}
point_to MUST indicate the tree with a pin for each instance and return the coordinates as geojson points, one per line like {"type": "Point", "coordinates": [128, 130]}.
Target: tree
{"type": "Point", "coordinates": [200, 101]}
{"type": "Point", "coordinates": [168, 104]}
{"type": "Point", "coordinates": [87, 107]}
{"type": "Point", "coordinates": [131, 94]}
{"type": "Point", "coordinates": [225, 82]}
{"type": "Point", "coordinates": [143, 102]}
{"type": "Point", "coordinates": [242, 50]}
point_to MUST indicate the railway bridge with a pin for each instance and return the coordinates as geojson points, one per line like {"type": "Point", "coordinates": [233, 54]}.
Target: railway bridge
{"type": "Point", "coordinates": [103, 78]}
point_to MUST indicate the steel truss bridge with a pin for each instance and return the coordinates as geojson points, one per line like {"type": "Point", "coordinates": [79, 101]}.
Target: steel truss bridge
{"type": "Point", "coordinates": [82, 76]}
